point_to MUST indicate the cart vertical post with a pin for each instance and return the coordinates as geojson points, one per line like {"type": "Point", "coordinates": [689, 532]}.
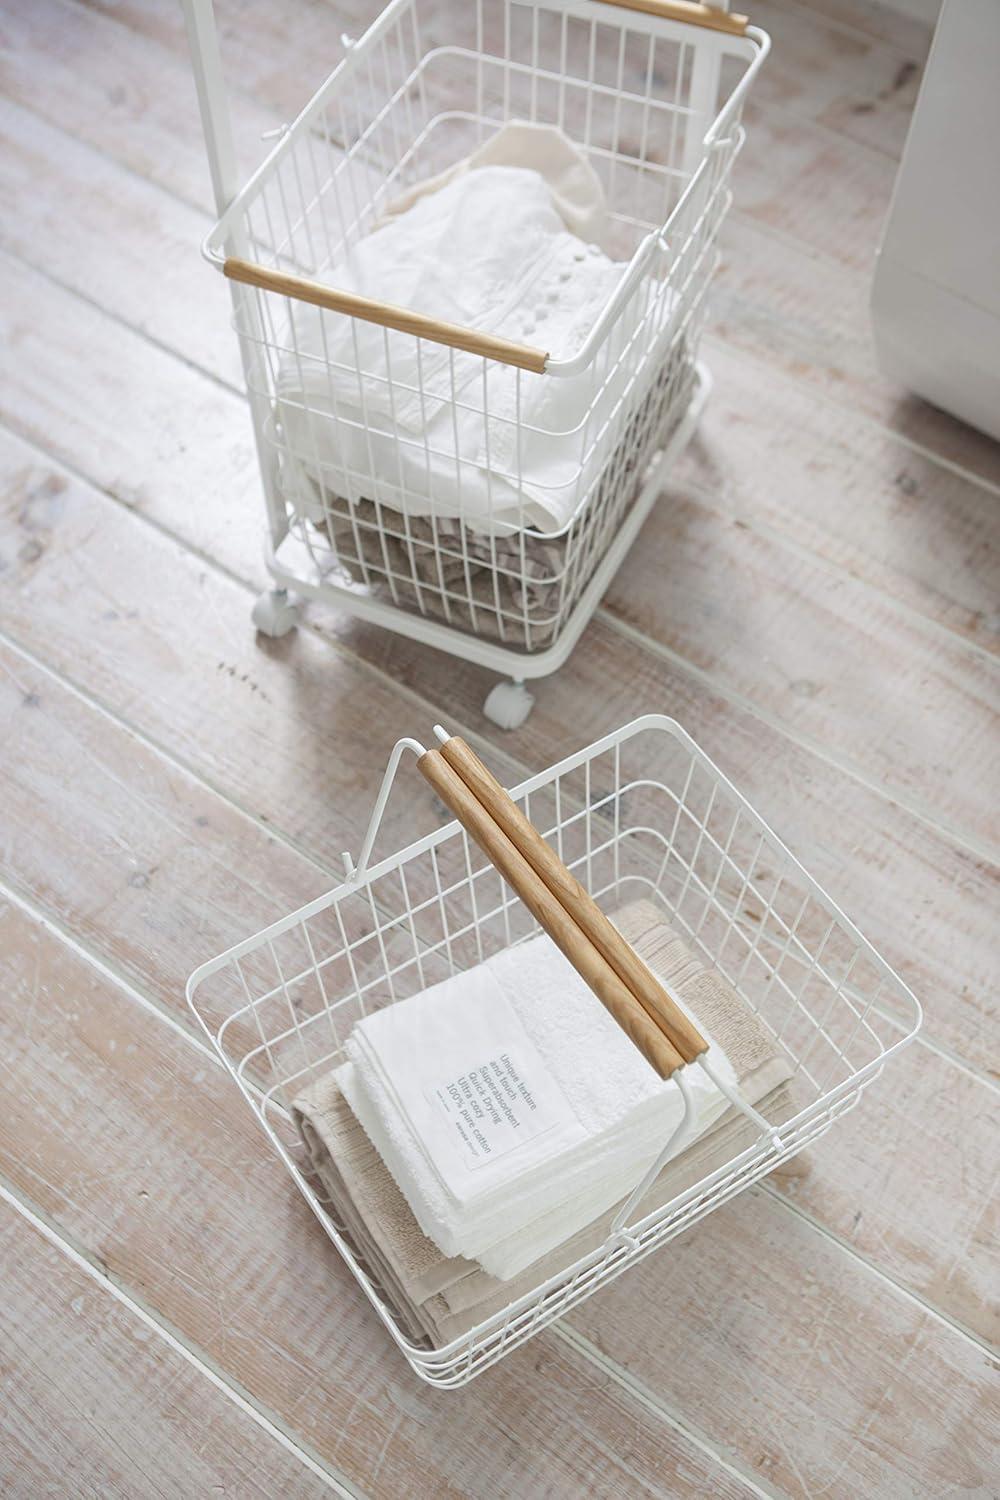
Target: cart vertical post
{"type": "Point", "coordinates": [705, 71]}
{"type": "Point", "coordinates": [206, 63]}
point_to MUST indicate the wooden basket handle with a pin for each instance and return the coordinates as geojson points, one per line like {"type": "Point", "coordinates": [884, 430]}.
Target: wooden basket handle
{"type": "Point", "coordinates": [386, 314]}
{"type": "Point", "coordinates": [583, 910]}
{"type": "Point", "coordinates": [550, 914]}
{"type": "Point", "coordinates": [688, 10]}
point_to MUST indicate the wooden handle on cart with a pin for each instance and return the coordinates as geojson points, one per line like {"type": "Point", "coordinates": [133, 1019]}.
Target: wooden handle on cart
{"type": "Point", "coordinates": [551, 915]}
{"type": "Point", "coordinates": [688, 10]}
{"type": "Point", "coordinates": [683, 1035]}
{"type": "Point", "coordinates": [386, 314]}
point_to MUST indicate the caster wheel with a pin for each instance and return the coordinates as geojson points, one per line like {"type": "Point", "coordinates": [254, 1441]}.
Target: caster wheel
{"type": "Point", "coordinates": [275, 613]}
{"type": "Point", "coordinates": [508, 705]}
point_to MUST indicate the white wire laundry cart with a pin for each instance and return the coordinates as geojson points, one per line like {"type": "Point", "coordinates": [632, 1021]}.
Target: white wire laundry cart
{"type": "Point", "coordinates": [641, 812]}
{"type": "Point", "coordinates": [651, 91]}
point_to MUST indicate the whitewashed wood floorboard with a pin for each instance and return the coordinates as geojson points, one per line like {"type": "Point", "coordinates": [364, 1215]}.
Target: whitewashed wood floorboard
{"type": "Point", "coordinates": [170, 784]}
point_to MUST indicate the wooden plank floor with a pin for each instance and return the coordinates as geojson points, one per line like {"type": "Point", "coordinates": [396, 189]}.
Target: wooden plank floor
{"type": "Point", "coordinates": [817, 599]}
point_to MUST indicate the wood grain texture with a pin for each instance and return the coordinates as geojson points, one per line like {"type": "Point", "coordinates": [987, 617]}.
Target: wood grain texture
{"type": "Point", "coordinates": [690, 11]}
{"type": "Point", "coordinates": [954, 687]}
{"type": "Point", "coordinates": [806, 316]}
{"type": "Point", "coordinates": [181, 937]}
{"type": "Point", "coordinates": [870, 505]}
{"type": "Point", "coordinates": [807, 88]}
{"type": "Point", "coordinates": [906, 34]}
{"type": "Point", "coordinates": [781, 181]}
{"type": "Point", "coordinates": [812, 676]}
{"type": "Point", "coordinates": [95, 1404]}
{"type": "Point", "coordinates": [784, 163]}
{"type": "Point", "coordinates": [196, 1213]}
{"type": "Point", "coordinates": [818, 1374]}
{"type": "Point", "coordinates": [177, 420]}
{"type": "Point", "coordinates": [157, 434]}
{"type": "Point", "coordinates": [103, 83]}
{"type": "Point", "coordinates": [874, 1402]}
{"type": "Point", "coordinates": [927, 1228]}
{"type": "Point", "coordinates": [791, 300]}
{"type": "Point", "coordinates": [297, 733]}
{"type": "Point", "coordinates": [279, 57]}
{"type": "Point", "coordinates": [104, 228]}
{"type": "Point", "coordinates": [911, 710]}
{"type": "Point", "coordinates": [908, 1219]}
{"type": "Point", "coordinates": [305, 696]}
{"type": "Point", "coordinates": [859, 86]}
{"type": "Point", "coordinates": [280, 726]}
{"type": "Point", "coordinates": [209, 1226]}
{"type": "Point", "coordinates": [818, 71]}
{"type": "Point", "coordinates": [132, 854]}
{"type": "Point", "coordinates": [385, 314]}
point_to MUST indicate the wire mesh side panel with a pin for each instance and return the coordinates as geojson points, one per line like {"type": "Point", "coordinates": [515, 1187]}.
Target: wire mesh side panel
{"type": "Point", "coordinates": [438, 482]}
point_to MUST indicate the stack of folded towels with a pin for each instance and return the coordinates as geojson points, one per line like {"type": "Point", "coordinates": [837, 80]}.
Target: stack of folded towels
{"type": "Point", "coordinates": [481, 1135]}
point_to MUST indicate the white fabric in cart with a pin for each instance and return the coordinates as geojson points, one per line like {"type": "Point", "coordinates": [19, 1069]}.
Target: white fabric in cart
{"type": "Point", "coordinates": [600, 1113]}
{"type": "Point", "coordinates": [487, 250]}
{"type": "Point", "coordinates": [577, 195]}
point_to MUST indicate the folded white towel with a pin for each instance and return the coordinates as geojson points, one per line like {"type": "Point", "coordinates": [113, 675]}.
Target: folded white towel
{"type": "Point", "coordinates": [366, 416]}
{"type": "Point", "coordinates": [510, 1107]}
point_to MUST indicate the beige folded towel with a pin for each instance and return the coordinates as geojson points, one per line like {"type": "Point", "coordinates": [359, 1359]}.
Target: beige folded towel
{"type": "Point", "coordinates": [445, 1297]}
{"type": "Point", "coordinates": [349, 1166]}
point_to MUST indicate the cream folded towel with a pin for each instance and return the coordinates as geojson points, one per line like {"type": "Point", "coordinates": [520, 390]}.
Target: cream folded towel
{"type": "Point", "coordinates": [444, 1296]}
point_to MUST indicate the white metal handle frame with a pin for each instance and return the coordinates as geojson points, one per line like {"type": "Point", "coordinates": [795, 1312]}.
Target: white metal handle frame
{"type": "Point", "coordinates": [356, 873]}
{"type": "Point", "coordinates": [218, 248]}
{"type": "Point", "coordinates": [620, 1233]}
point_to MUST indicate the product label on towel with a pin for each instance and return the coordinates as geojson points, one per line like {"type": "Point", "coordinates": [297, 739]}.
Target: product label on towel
{"type": "Point", "coordinates": [491, 1107]}
{"type": "Point", "coordinates": [468, 1085]}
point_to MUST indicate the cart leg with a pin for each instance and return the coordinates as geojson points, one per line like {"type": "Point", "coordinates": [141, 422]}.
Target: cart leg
{"type": "Point", "coordinates": [508, 704]}
{"type": "Point", "coordinates": [275, 613]}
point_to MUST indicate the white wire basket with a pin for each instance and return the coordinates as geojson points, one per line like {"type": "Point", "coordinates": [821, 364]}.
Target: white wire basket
{"type": "Point", "coordinates": [641, 812]}
{"type": "Point", "coordinates": [424, 528]}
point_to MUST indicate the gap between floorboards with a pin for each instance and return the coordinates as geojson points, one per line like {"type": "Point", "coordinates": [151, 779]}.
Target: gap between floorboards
{"type": "Point", "coordinates": [958, 838]}
{"type": "Point", "coordinates": [58, 1236]}
{"type": "Point", "coordinates": [37, 911]}
{"type": "Point", "coordinates": [645, 1397]}
{"type": "Point", "coordinates": [333, 871]}
{"type": "Point", "coordinates": [879, 1272]}
{"type": "Point", "coordinates": [62, 1241]}
{"type": "Point", "coordinates": [833, 569]}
